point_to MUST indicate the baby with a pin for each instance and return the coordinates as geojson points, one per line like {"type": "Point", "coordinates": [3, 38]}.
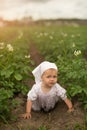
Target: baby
{"type": "Point", "coordinates": [46, 92]}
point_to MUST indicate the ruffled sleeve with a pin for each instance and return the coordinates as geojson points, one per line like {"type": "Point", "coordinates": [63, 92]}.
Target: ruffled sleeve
{"type": "Point", "coordinates": [61, 92]}
{"type": "Point", "coordinates": [32, 94]}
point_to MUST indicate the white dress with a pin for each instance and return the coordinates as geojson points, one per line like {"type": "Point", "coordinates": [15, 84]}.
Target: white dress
{"type": "Point", "coordinates": [46, 101]}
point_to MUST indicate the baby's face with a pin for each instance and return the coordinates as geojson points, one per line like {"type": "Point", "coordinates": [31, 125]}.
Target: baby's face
{"type": "Point", "coordinates": [49, 77]}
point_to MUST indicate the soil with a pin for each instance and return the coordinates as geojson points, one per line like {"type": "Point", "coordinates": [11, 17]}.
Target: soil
{"type": "Point", "coordinates": [57, 119]}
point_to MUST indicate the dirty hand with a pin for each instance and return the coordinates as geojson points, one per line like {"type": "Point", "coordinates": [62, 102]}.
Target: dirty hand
{"type": "Point", "coordinates": [70, 110]}
{"type": "Point", "coordinates": [26, 115]}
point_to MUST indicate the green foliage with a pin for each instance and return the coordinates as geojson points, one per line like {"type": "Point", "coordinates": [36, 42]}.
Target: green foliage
{"type": "Point", "coordinates": [15, 66]}
{"type": "Point", "coordinates": [73, 74]}
{"type": "Point", "coordinates": [5, 95]}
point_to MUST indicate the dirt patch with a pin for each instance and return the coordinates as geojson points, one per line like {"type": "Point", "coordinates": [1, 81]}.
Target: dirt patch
{"type": "Point", "coordinates": [57, 119]}
{"type": "Point", "coordinates": [35, 54]}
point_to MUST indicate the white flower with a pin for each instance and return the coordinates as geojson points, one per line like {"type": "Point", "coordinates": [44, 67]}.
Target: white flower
{"type": "Point", "coordinates": [64, 34]}
{"type": "Point", "coordinates": [10, 47]}
{"type": "Point", "coordinates": [77, 52]}
{"type": "Point", "coordinates": [1, 55]}
{"type": "Point", "coordinates": [1, 45]}
{"type": "Point", "coordinates": [51, 37]}
{"type": "Point", "coordinates": [27, 56]}
{"type": "Point", "coordinates": [39, 35]}
{"type": "Point", "coordinates": [78, 35]}
{"type": "Point", "coordinates": [72, 35]}
{"type": "Point", "coordinates": [45, 34]}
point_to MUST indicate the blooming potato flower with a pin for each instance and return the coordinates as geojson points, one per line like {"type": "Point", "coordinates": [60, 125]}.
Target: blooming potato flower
{"type": "Point", "coordinates": [9, 47]}
{"type": "Point", "coordinates": [78, 52]}
{"type": "Point", "coordinates": [27, 56]}
{"type": "Point", "coordinates": [1, 45]}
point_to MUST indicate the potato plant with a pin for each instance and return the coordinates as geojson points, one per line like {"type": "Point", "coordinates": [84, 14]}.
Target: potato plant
{"type": "Point", "coordinates": [15, 68]}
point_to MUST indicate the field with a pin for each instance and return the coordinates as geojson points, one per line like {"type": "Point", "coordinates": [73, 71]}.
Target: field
{"type": "Point", "coordinates": [21, 49]}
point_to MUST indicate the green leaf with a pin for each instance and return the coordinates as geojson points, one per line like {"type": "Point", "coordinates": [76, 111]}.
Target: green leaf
{"type": "Point", "coordinates": [18, 76]}
{"type": "Point", "coordinates": [3, 72]}
{"type": "Point", "coordinates": [7, 72]}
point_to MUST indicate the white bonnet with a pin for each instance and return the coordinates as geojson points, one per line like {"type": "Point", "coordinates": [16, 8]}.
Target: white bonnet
{"type": "Point", "coordinates": [38, 71]}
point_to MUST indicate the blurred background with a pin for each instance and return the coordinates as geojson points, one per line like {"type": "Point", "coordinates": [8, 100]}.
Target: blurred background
{"type": "Point", "coordinates": [42, 9]}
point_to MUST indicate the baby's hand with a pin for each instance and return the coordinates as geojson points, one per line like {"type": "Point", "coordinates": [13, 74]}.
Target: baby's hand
{"type": "Point", "coordinates": [26, 115]}
{"type": "Point", "coordinates": [70, 110]}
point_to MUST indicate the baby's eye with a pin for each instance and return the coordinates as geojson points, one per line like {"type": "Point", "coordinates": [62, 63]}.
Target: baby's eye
{"type": "Point", "coordinates": [54, 76]}
{"type": "Point", "coordinates": [48, 76]}
{"type": "Point", "coordinates": [51, 76]}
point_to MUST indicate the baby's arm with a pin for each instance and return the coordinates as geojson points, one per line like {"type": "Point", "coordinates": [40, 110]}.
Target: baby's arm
{"type": "Point", "coordinates": [69, 104]}
{"type": "Point", "coordinates": [27, 115]}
